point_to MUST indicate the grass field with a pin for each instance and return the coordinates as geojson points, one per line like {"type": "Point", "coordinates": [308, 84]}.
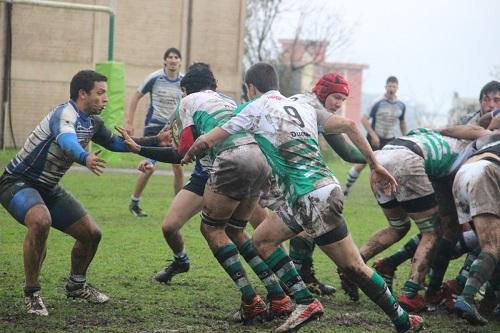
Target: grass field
{"type": "Point", "coordinates": [133, 249]}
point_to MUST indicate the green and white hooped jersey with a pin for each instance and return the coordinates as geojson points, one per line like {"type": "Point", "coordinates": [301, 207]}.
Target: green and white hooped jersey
{"type": "Point", "coordinates": [206, 110]}
{"type": "Point", "coordinates": [440, 152]}
{"type": "Point", "coordinates": [311, 100]}
{"type": "Point", "coordinates": [287, 134]}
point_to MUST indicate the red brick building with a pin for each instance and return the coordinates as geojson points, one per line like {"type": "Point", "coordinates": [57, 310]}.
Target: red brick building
{"type": "Point", "coordinates": [303, 62]}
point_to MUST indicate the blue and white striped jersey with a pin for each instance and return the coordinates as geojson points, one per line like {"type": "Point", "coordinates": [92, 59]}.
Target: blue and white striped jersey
{"type": "Point", "coordinates": [384, 115]}
{"type": "Point", "coordinates": [164, 94]}
{"type": "Point", "coordinates": [42, 160]}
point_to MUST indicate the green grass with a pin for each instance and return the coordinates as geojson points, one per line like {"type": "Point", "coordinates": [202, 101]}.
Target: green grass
{"type": "Point", "coordinates": [133, 249]}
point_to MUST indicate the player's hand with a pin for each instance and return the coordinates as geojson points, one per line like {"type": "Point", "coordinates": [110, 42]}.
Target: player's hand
{"type": "Point", "coordinates": [381, 179]}
{"type": "Point", "coordinates": [131, 144]}
{"type": "Point", "coordinates": [129, 128]}
{"type": "Point", "coordinates": [375, 141]}
{"type": "Point", "coordinates": [165, 137]}
{"type": "Point", "coordinates": [94, 163]}
{"type": "Point", "coordinates": [197, 150]}
{"type": "Point", "coordinates": [145, 166]}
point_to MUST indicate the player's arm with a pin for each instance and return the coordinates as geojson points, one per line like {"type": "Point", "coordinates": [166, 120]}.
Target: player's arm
{"type": "Point", "coordinates": [365, 121]}
{"type": "Point", "coordinates": [495, 121]}
{"type": "Point", "coordinates": [345, 150]}
{"type": "Point", "coordinates": [62, 125]}
{"type": "Point", "coordinates": [129, 115]}
{"type": "Point", "coordinates": [204, 143]}
{"type": "Point", "coordinates": [466, 132]}
{"type": "Point", "coordinates": [486, 120]}
{"type": "Point", "coordinates": [403, 126]}
{"type": "Point", "coordinates": [339, 124]}
{"type": "Point", "coordinates": [380, 176]}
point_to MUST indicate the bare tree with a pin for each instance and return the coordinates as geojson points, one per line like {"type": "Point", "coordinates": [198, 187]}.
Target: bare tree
{"type": "Point", "coordinates": [317, 32]}
{"type": "Point", "coordinates": [260, 43]}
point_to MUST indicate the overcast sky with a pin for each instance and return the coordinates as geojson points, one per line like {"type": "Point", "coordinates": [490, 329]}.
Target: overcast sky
{"type": "Point", "coordinates": [434, 47]}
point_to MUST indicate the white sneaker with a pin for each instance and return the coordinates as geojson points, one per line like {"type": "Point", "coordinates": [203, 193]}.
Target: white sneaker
{"type": "Point", "coordinates": [34, 304]}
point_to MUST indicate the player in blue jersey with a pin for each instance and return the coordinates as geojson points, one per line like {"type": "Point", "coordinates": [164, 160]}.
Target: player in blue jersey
{"type": "Point", "coordinates": [380, 124]}
{"type": "Point", "coordinates": [29, 188]}
{"type": "Point", "coordinates": [163, 87]}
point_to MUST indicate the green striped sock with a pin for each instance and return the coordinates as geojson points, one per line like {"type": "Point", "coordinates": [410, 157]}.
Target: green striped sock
{"type": "Point", "coordinates": [228, 257]}
{"type": "Point", "coordinates": [282, 266]}
{"type": "Point", "coordinates": [481, 270]}
{"type": "Point", "coordinates": [260, 268]}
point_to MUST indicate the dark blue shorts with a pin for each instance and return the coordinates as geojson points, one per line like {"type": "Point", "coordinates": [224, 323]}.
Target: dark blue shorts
{"type": "Point", "coordinates": [18, 196]}
{"type": "Point", "coordinates": [153, 129]}
{"type": "Point", "coordinates": [196, 184]}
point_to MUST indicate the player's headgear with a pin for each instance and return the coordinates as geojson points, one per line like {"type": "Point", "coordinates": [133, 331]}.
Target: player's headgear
{"type": "Point", "coordinates": [330, 83]}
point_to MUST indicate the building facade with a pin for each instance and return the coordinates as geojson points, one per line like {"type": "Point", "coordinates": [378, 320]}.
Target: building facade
{"type": "Point", "coordinates": [49, 45]}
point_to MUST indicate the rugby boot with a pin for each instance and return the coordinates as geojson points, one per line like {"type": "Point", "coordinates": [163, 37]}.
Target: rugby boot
{"type": "Point", "coordinates": [280, 308]}
{"type": "Point", "coordinates": [416, 323]}
{"type": "Point", "coordinates": [386, 271]}
{"type": "Point", "coordinates": [136, 210]}
{"type": "Point", "coordinates": [312, 283]}
{"type": "Point", "coordinates": [469, 312]}
{"type": "Point", "coordinates": [249, 313]}
{"type": "Point", "coordinates": [349, 287]}
{"type": "Point", "coordinates": [412, 304]}
{"type": "Point", "coordinates": [86, 292]}
{"type": "Point", "coordinates": [436, 299]}
{"type": "Point", "coordinates": [176, 267]}
{"type": "Point", "coordinates": [302, 314]}
{"type": "Point", "coordinates": [450, 290]}
{"type": "Point", "coordinates": [488, 302]}
{"type": "Point", "coordinates": [34, 304]}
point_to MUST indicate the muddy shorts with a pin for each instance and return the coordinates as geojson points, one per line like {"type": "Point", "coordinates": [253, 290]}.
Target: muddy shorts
{"type": "Point", "coordinates": [319, 211]}
{"type": "Point", "coordinates": [271, 197]}
{"type": "Point", "coordinates": [240, 172]}
{"type": "Point", "coordinates": [409, 171]}
{"type": "Point", "coordinates": [18, 196]}
{"type": "Point", "coordinates": [477, 190]}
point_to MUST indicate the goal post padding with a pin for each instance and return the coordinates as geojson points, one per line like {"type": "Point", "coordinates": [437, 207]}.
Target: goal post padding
{"type": "Point", "coordinates": [114, 111]}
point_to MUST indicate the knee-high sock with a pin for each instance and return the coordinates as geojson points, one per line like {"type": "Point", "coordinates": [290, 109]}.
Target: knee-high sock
{"type": "Point", "coordinates": [352, 176]}
{"type": "Point", "coordinates": [404, 253]}
{"type": "Point", "coordinates": [444, 253]}
{"type": "Point", "coordinates": [281, 264]}
{"type": "Point", "coordinates": [228, 257]}
{"type": "Point", "coordinates": [481, 270]}
{"type": "Point", "coordinates": [376, 289]}
{"type": "Point", "coordinates": [261, 269]}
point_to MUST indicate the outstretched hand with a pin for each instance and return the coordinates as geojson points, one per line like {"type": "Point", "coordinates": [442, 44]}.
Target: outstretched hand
{"type": "Point", "coordinates": [127, 139]}
{"type": "Point", "coordinates": [382, 179]}
{"type": "Point", "coordinates": [94, 163]}
{"type": "Point", "coordinates": [197, 150]}
{"type": "Point", "coordinates": [145, 166]}
{"type": "Point", "coordinates": [165, 137]}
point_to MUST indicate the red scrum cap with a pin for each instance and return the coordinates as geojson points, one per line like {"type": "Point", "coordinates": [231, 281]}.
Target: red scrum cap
{"type": "Point", "coordinates": [330, 83]}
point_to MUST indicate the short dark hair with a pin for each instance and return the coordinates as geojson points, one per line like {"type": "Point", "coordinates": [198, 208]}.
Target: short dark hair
{"type": "Point", "coordinates": [263, 76]}
{"type": "Point", "coordinates": [392, 79]}
{"type": "Point", "coordinates": [172, 50]}
{"type": "Point", "coordinates": [198, 77]}
{"type": "Point", "coordinates": [85, 80]}
{"type": "Point", "coordinates": [491, 86]}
